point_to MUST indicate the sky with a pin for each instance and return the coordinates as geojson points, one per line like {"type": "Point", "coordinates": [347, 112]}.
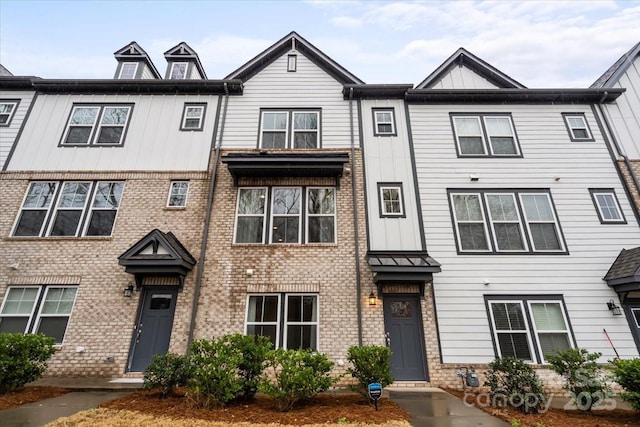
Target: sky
{"type": "Point", "coordinates": [541, 44]}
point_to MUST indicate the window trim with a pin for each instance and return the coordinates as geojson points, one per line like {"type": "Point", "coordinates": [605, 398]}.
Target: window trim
{"type": "Point", "coordinates": [286, 323]}
{"type": "Point", "coordinates": [532, 338]}
{"type": "Point", "coordinates": [381, 206]}
{"type": "Point", "coordinates": [607, 191]}
{"type": "Point", "coordinates": [376, 131]}
{"type": "Point", "coordinates": [122, 66]}
{"type": "Point", "coordinates": [289, 129]}
{"type": "Point", "coordinates": [299, 215]}
{"type": "Point", "coordinates": [492, 222]}
{"type": "Point", "coordinates": [83, 211]}
{"type": "Point", "coordinates": [278, 316]}
{"type": "Point", "coordinates": [487, 146]}
{"type": "Point", "coordinates": [489, 234]}
{"type": "Point", "coordinates": [47, 215]}
{"type": "Point", "coordinates": [292, 63]}
{"type": "Point", "coordinates": [186, 195]}
{"type": "Point", "coordinates": [31, 318]}
{"type": "Point", "coordinates": [264, 215]}
{"type": "Point", "coordinates": [334, 215]}
{"type": "Point", "coordinates": [15, 103]}
{"type": "Point", "coordinates": [570, 130]}
{"type": "Point", "coordinates": [203, 111]}
{"type": "Point", "coordinates": [186, 70]}
{"type": "Point", "coordinates": [96, 126]}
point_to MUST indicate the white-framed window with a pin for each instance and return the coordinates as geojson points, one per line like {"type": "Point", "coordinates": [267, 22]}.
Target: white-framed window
{"type": "Point", "coordinates": [179, 70]}
{"type": "Point", "coordinates": [178, 193]}
{"type": "Point", "coordinates": [577, 127]}
{"type": "Point", "coordinates": [289, 129]}
{"type": "Point", "coordinates": [607, 206]}
{"type": "Point", "coordinates": [296, 314]}
{"type": "Point", "coordinates": [128, 70]}
{"type": "Point", "coordinates": [38, 309]}
{"type": "Point", "coordinates": [529, 327]}
{"type": "Point", "coordinates": [292, 63]}
{"type": "Point", "coordinates": [485, 135]}
{"type": "Point", "coordinates": [391, 200]}
{"type": "Point", "coordinates": [97, 124]}
{"type": "Point", "coordinates": [505, 221]}
{"type": "Point", "coordinates": [69, 209]}
{"type": "Point", "coordinates": [384, 123]}
{"type": "Point", "coordinates": [282, 209]}
{"type": "Point", "coordinates": [7, 110]}
{"type": "Point", "coordinates": [193, 116]}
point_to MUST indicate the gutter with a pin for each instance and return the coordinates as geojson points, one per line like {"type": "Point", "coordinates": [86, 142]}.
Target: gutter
{"type": "Point", "coordinates": [355, 220]}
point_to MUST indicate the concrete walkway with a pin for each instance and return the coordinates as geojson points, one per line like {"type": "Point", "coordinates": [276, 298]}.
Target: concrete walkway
{"type": "Point", "coordinates": [431, 407]}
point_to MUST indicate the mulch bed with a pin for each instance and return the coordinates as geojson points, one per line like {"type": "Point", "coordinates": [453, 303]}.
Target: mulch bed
{"type": "Point", "coordinates": [24, 395]}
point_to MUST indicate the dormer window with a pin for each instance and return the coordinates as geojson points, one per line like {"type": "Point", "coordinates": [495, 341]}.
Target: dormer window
{"type": "Point", "coordinates": [179, 70]}
{"type": "Point", "coordinates": [128, 70]}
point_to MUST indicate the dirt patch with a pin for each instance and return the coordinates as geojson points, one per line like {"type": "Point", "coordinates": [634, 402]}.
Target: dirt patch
{"type": "Point", "coordinates": [24, 395]}
{"type": "Point", "coordinates": [560, 417]}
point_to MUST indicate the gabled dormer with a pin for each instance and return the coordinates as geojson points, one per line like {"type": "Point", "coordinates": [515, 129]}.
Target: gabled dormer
{"type": "Point", "coordinates": [134, 64]}
{"type": "Point", "coordinates": [183, 63]}
{"type": "Point", "coordinates": [463, 70]}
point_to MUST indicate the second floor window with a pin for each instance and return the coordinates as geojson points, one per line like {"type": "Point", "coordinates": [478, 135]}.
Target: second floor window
{"type": "Point", "coordinates": [193, 116]}
{"type": "Point", "coordinates": [7, 110]}
{"type": "Point", "coordinates": [94, 124]}
{"type": "Point", "coordinates": [577, 126]}
{"type": "Point", "coordinates": [289, 129]}
{"type": "Point", "coordinates": [485, 135]}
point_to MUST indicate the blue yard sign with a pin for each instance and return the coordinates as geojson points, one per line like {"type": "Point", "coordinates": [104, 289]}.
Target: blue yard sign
{"type": "Point", "coordinates": [375, 392]}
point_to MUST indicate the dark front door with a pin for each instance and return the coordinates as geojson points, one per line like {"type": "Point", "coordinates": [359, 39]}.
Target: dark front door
{"type": "Point", "coordinates": [152, 330]}
{"type": "Point", "coordinates": [403, 324]}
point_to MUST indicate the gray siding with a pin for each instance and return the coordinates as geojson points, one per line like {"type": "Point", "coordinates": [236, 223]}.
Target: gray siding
{"type": "Point", "coordinates": [9, 133]}
{"type": "Point", "coordinates": [463, 78]}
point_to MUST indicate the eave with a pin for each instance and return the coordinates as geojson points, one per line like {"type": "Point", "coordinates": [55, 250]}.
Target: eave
{"type": "Point", "coordinates": [516, 96]}
{"type": "Point", "coordinates": [376, 91]}
{"type": "Point", "coordinates": [17, 83]}
{"type": "Point", "coordinates": [173, 87]}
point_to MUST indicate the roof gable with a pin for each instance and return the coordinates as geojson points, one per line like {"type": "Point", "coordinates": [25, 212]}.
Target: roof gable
{"type": "Point", "coordinates": [133, 52]}
{"type": "Point", "coordinates": [182, 52]}
{"type": "Point", "coordinates": [464, 58]}
{"type": "Point", "coordinates": [626, 266]}
{"type": "Point", "coordinates": [293, 41]}
{"type": "Point", "coordinates": [613, 74]}
{"type": "Point", "coordinates": [4, 72]}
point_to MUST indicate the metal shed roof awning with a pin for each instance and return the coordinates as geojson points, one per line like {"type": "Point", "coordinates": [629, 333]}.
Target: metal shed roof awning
{"type": "Point", "coordinates": [402, 266]}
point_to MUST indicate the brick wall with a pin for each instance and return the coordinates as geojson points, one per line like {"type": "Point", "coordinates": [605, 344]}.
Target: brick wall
{"type": "Point", "coordinates": [635, 164]}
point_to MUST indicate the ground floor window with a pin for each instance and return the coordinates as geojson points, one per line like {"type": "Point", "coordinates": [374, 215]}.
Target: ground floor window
{"type": "Point", "coordinates": [529, 327]}
{"type": "Point", "coordinates": [38, 309]}
{"type": "Point", "coordinates": [288, 320]}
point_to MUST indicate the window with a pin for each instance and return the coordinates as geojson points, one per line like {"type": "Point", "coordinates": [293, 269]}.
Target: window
{"type": "Point", "coordinates": [179, 70]}
{"type": "Point", "coordinates": [607, 206]}
{"type": "Point", "coordinates": [577, 127]}
{"type": "Point", "coordinates": [35, 309]}
{"type": "Point", "coordinates": [289, 222]}
{"type": "Point", "coordinates": [7, 110]}
{"type": "Point", "coordinates": [304, 129]}
{"type": "Point", "coordinates": [178, 194]}
{"type": "Point", "coordinates": [505, 222]}
{"type": "Point", "coordinates": [529, 328]}
{"type": "Point", "coordinates": [384, 123]}
{"type": "Point", "coordinates": [193, 116]}
{"type": "Point", "coordinates": [128, 70]}
{"type": "Point", "coordinates": [69, 209]}
{"type": "Point", "coordinates": [292, 62]}
{"type": "Point", "coordinates": [97, 125]}
{"type": "Point", "coordinates": [485, 135]}
{"type": "Point", "coordinates": [296, 315]}
{"type": "Point", "coordinates": [391, 200]}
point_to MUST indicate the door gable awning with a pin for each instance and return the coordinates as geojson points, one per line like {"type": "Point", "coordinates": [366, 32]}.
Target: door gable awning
{"type": "Point", "coordinates": [157, 254]}
{"type": "Point", "coordinates": [624, 274]}
{"type": "Point", "coordinates": [402, 267]}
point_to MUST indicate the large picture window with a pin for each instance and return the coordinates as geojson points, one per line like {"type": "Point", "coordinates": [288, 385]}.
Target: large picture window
{"type": "Point", "coordinates": [69, 209]}
{"type": "Point", "coordinates": [94, 124]}
{"type": "Point", "coordinates": [289, 129]}
{"type": "Point", "coordinates": [36, 309]}
{"type": "Point", "coordinates": [485, 135]}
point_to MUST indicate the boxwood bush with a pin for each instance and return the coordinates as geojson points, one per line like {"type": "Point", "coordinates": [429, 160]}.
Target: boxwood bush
{"type": "Point", "coordinates": [516, 384]}
{"type": "Point", "coordinates": [370, 364]}
{"type": "Point", "coordinates": [166, 372]}
{"type": "Point", "coordinates": [23, 358]}
{"type": "Point", "coordinates": [627, 374]}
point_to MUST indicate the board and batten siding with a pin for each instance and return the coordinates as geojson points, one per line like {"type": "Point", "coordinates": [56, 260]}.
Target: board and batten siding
{"type": "Point", "coordinates": [9, 133]}
{"type": "Point", "coordinates": [463, 78]}
{"type": "Point", "coordinates": [625, 112]}
{"type": "Point", "coordinates": [387, 159]}
{"type": "Point", "coordinates": [273, 87]}
{"type": "Point", "coordinates": [153, 139]}
{"type": "Point", "coordinates": [550, 161]}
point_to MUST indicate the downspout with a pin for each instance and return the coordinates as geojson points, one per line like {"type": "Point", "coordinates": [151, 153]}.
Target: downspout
{"type": "Point", "coordinates": [207, 222]}
{"type": "Point", "coordinates": [355, 219]}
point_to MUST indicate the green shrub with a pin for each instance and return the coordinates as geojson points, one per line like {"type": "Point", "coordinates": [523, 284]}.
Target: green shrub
{"type": "Point", "coordinates": [516, 384]}
{"type": "Point", "coordinates": [254, 349]}
{"type": "Point", "coordinates": [215, 376]}
{"type": "Point", "coordinates": [627, 374]}
{"type": "Point", "coordinates": [166, 372]}
{"type": "Point", "coordinates": [371, 364]}
{"type": "Point", "coordinates": [23, 358]}
{"type": "Point", "coordinates": [583, 378]}
{"type": "Point", "coordinates": [295, 375]}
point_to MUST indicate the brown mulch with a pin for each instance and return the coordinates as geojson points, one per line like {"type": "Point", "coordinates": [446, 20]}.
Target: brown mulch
{"type": "Point", "coordinates": [324, 408]}
{"type": "Point", "coordinates": [560, 417]}
{"type": "Point", "coordinates": [24, 395]}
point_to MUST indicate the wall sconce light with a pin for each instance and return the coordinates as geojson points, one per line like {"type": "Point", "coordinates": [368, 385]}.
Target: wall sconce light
{"type": "Point", "coordinates": [128, 290]}
{"type": "Point", "coordinates": [614, 308]}
{"type": "Point", "coordinates": [373, 300]}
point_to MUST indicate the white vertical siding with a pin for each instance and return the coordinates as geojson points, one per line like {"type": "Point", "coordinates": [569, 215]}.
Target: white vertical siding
{"type": "Point", "coordinates": [9, 133]}
{"type": "Point", "coordinates": [547, 153]}
{"type": "Point", "coordinates": [146, 72]}
{"type": "Point", "coordinates": [388, 159]}
{"type": "Point", "coordinates": [274, 87]}
{"type": "Point", "coordinates": [153, 140]}
{"type": "Point", "coordinates": [463, 78]}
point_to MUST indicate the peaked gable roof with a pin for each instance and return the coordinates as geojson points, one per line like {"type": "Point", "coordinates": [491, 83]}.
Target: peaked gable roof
{"type": "Point", "coordinates": [613, 74]}
{"type": "Point", "coordinates": [4, 72]}
{"type": "Point", "coordinates": [625, 267]}
{"type": "Point", "coordinates": [293, 41]}
{"type": "Point", "coordinates": [133, 51]}
{"type": "Point", "coordinates": [463, 57]}
{"type": "Point", "coordinates": [181, 52]}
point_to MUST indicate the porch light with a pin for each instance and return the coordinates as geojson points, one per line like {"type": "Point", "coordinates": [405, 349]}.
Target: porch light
{"type": "Point", "coordinates": [128, 290]}
{"type": "Point", "coordinates": [614, 308]}
{"type": "Point", "coordinates": [372, 299]}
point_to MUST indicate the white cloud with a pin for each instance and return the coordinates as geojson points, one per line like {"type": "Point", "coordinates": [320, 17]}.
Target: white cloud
{"type": "Point", "coordinates": [346, 22]}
